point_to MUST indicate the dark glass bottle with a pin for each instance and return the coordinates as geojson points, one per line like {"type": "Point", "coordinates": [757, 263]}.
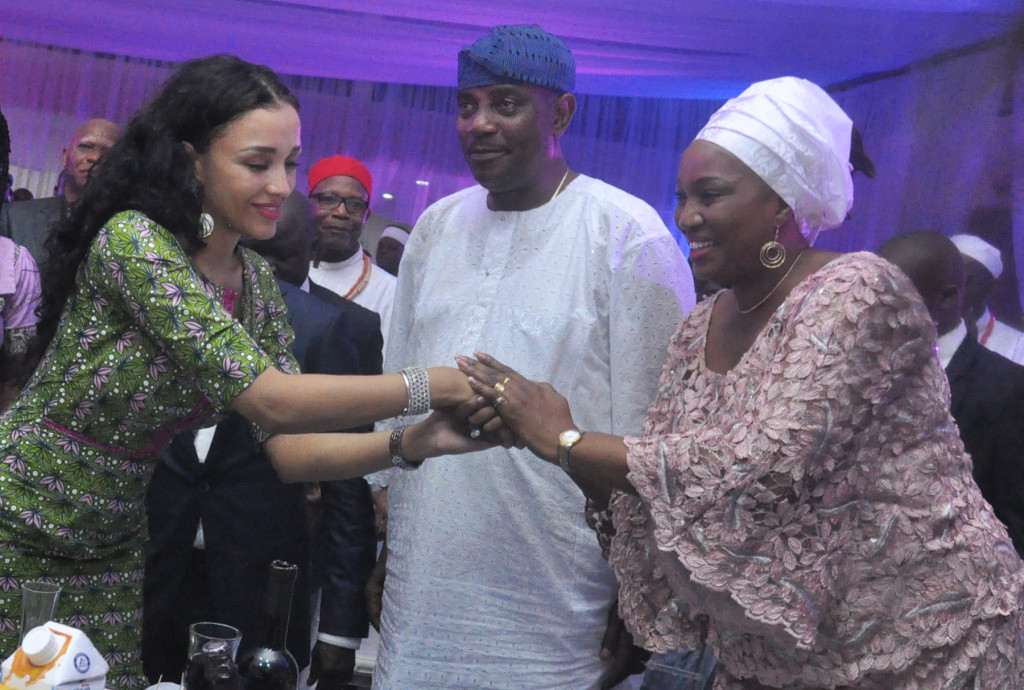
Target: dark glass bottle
{"type": "Point", "coordinates": [270, 666]}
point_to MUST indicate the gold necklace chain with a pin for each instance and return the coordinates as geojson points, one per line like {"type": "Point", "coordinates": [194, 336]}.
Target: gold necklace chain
{"type": "Point", "coordinates": [781, 281]}
{"type": "Point", "coordinates": [559, 187]}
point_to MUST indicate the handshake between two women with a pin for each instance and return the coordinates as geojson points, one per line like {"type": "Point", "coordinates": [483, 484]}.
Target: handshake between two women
{"type": "Point", "coordinates": [505, 409]}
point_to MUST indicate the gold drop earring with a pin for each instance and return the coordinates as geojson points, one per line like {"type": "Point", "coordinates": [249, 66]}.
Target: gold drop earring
{"type": "Point", "coordinates": [773, 252]}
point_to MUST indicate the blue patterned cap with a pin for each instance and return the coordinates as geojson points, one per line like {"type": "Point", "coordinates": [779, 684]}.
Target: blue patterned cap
{"type": "Point", "coordinates": [524, 54]}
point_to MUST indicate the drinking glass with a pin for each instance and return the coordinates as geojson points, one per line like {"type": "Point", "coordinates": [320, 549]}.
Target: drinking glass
{"type": "Point", "coordinates": [38, 604]}
{"type": "Point", "coordinates": [198, 635]}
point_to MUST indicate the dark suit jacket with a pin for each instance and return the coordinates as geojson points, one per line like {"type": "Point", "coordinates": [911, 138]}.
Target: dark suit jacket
{"type": "Point", "coordinates": [346, 541]}
{"type": "Point", "coordinates": [987, 402]}
{"type": "Point", "coordinates": [28, 223]}
{"type": "Point", "coordinates": [337, 596]}
{"type": "Point", "coordinates": [365, 328]}
{"type": "Point", "coordinates": [250, 518]}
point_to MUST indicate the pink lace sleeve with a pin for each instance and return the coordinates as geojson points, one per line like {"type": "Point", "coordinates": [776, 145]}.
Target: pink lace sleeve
{"type": "Point", "coordinates": [750, 481]}
{"type": "Point", "coordinates": [600, 520]}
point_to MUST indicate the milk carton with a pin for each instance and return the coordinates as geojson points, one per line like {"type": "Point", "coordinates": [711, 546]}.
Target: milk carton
{"type": "Point", "coordinates": [54, 657]}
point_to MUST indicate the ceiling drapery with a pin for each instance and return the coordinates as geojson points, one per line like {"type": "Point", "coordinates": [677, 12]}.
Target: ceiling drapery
{"type": "Point", "coordinates": [653, 48]}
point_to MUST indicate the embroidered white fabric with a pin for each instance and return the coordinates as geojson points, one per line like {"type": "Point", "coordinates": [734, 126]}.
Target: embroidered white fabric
{"type": "Point", "coordinates": [493, 575]}
{"type": "Point", "coordinates": [378, 295]}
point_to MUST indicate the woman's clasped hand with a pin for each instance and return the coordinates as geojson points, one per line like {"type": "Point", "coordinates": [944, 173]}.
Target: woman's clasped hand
{"type": "Point", "coordinates": [513, 409]}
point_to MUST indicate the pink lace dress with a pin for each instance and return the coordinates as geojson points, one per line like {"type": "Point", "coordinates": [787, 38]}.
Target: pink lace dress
{"type": "Point", "coordinates": [812, 510]}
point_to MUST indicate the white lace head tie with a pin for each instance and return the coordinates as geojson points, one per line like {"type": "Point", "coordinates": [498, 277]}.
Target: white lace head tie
{"type": "Point", "coordinates": [795, 138]}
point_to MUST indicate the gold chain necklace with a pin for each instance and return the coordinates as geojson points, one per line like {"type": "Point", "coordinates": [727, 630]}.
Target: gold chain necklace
{"type": "Point", "coordinates": [558, 190]}
{"type": "Point", "coordinates": [781, 281]}
{"type": "Point", "coordinates": [559, 187]}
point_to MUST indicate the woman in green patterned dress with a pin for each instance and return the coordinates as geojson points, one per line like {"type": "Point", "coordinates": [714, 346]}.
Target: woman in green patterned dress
{"type": "Point", "coordinates": [152, 326]}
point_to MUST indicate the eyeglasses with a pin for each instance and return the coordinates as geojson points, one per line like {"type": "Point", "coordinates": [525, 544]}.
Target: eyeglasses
{"type": "Point", "coordinates": [329, 202]}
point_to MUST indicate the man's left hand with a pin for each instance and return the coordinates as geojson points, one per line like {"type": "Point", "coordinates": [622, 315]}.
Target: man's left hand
{"type": "Point", "coordinates": [332, 666]}
{"type": "Point", "coordinates": [626, 659]}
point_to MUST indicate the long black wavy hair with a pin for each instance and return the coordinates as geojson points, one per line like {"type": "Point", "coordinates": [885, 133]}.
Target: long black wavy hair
{"type": "Point", "coordinates": [149, 169]}
{"type": "Point", "coordinates": [5, 157]}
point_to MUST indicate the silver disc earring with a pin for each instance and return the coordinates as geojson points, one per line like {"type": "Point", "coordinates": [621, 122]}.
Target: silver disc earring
{"type": "Point", "coordinates": [206, 222]}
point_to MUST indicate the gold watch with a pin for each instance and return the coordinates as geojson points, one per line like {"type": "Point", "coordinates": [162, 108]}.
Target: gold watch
{"type": "Point", "coordinates": [566, 440]}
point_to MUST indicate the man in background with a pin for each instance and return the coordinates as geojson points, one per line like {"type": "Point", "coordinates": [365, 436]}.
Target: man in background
{"type": "Point", "coordinates": [983, 264]}
{"type": "Point", "coordinates": [220, 478]}
{"type": "Point", "coordinates": [986, 389]}
{"type": "Point", "coordinates": [19, 297]}
{"type": "Point", "coordinates": [344, 534]}
{"type": "Point", "coordinates": [339, 192]}
{"type": "Point", "coordinates": [391, 246]}
{"type": "Point", "coordinates": [29, 223]}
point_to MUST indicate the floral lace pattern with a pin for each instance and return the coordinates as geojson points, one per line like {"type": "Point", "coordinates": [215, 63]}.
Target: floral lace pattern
{"type": "Point", "coordinates": [815, 502]}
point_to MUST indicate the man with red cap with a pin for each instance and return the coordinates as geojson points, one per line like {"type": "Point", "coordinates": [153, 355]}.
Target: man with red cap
{"type": "Point", "coordinates": [339, 189]}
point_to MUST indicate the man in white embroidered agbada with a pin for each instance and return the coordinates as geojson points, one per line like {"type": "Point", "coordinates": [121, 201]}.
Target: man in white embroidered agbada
{"type": "Point", "coordinates": [494, 579]}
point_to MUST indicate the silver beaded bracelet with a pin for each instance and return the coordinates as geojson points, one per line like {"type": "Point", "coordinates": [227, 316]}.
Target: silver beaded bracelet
{"type": "Point", "coordinates": [417, 389]}
{"type": "Point", "coordinates": [395, 449]}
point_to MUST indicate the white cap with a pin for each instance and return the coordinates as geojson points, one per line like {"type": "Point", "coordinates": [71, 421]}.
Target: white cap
{"type": "Point", "coordinates": [400, 235]}
{"type": "Point", "coordinates": [981, 251]}
{"type": "Point", "coordinates": [41, 646]}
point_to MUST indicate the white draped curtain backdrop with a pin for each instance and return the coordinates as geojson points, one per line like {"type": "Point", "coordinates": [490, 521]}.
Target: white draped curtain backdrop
{"type": "Point", "coordinates": [947, 138]}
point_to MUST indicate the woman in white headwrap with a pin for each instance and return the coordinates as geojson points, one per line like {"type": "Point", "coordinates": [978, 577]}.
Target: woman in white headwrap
{"type": "Point", "coordinates": [800, 497]}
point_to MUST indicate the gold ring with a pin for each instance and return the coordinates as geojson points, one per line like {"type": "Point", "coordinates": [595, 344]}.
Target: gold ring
{"type": "Point", "coordinates": [499, 388]}
{"type": "Point", "coordinates": [500, 401]}
{"type": "Point", "coordinates": [507, 379]}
